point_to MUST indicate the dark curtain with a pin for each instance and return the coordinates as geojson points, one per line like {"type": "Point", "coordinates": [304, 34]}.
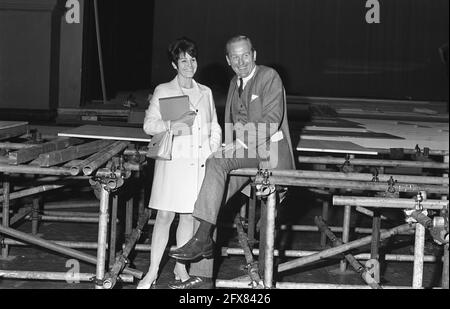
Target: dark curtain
{"type": "Point", "coordinates": [319, 47]}
{"type": "Point", "coordinates": [126, 29]}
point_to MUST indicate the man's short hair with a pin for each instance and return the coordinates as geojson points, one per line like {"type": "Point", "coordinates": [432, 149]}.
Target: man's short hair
{"type": "Point", "coordinates": [238, 38]}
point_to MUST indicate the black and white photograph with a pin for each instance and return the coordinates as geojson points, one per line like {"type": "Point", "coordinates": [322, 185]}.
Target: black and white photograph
{"type": "Point", "coordinates": [217, 152]}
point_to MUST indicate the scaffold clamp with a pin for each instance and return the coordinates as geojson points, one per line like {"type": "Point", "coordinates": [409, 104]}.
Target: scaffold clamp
{"type": "Point", "coordinates": [439, 232]}
{"type": "Point", "coordinates": [375, 175]}
{"type": "Point", "coordinates": [419, 199]}
{"type": "Point", "coordinates": [97, 282]}
{"type": "Point", "coordinates": [347, 167]}
{"type": "Point", "coordinates": [262, 183]}
{"type": "Point", "coordinates": [372, 267]}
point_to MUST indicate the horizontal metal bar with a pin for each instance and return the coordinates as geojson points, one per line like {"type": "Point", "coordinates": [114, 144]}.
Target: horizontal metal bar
{"type": "Point", "coordinates": [356, 185]}
{"type": "Point", "coordinates": [57, 276]}
{"type": "Point", "coordinates": [379, 202]}
{"type": "Point", "coordinates": [374, 162]}
{"type": "Point", "coordinates": [251, 172]}
{"type": "Point", "coordinates": [241, 284]}
{"type": "Point", "coordinates": [27, 169]}
{"type": "Point", "coordinates": [301, 253]}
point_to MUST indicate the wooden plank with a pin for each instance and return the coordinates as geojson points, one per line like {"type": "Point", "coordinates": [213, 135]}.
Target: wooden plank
{"type": "Point", "coordinates": [393, 115]}
{"type": "Point", "coordinates": [118, 111]}
{"type": "Point", "coordinates": [338, 133]}
{"type": "Point", "coordinates": [108, 132]}
{"type": "Point", "coordinates": [71, 153]}
{"type": "Point", "coordinates": [9, 129]}
{"type": "Point", "coordinates": [334, 122]}
{"type": "Point", "coordinates": [316, 128]}
{"type": "Point", "coordinates": [26, 155]}
{"type": "Point", "coordinates": [333, 147]}
{"type": "Point", "coordinates": [11, 124]}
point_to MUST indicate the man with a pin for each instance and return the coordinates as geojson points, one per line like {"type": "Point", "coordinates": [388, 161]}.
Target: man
{"type": "Point", "coordinates": [256, 133]}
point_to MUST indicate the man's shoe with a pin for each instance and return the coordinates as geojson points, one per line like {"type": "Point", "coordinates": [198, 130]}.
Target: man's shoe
{"type": "Point", "coordinates": [194, 249]}
{"type": "Point", "coordinates": [194, 282]}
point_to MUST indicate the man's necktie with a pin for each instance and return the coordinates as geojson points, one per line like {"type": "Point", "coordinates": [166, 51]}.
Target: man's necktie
{"type": "Point", "coordinates": [241, 86]}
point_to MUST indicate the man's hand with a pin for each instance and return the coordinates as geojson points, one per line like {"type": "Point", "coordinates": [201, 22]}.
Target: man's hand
{"type": "Point", "coordinates": [228, 150]}
{"type": "Point", "coordinates": [225, 151]}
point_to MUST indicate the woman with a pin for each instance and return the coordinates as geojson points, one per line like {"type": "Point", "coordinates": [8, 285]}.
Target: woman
{"type": "Point", "coordinates": [177, 182]}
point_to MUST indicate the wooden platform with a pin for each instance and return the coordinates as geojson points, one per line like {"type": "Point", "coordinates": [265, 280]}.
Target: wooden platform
{"type": "Point", "coordinates": [370, 134]}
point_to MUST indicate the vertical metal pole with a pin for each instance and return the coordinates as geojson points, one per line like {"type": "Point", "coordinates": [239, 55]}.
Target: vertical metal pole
{"type": "Point", "coordinates": [445, 273]}
{"type": "Point", "coordinates": [99, 48]}
{"type": "Point", "coordinates": [345, 233]}
{"type": "Point", "coordinates": [323, 236]}
{"type": "Point", "coordinates": [270, 240]}
{"type": "Point", "coordinates": [5, 219]}
{"type": "Point", "coordinates": [35, 216]}
{"type": "Point", "coordinates": [141, 192]}
{"type": "Point", "coordinates": [346, 229]}
{"type": "Point", "coordinates": [419, 246]}
{"type": "Point", "coordinates": [376, 225]}
{"type": "Point", "coordinates": [243, 212]}
{"type": "Point", "coordinates": [129, 217]}
{"type": "Point", "coordinates": [141, 206]}
{"type": "Point", "coordinates": [113, 231]}
{"type": "Point", "coordinates": [262, 237]}
{"type": "Point", "coordinates": [102, 235]}
{"type": "Point", "coordinates": [252, 216]}
{"type": "Point", "coordinates": [375, 245]}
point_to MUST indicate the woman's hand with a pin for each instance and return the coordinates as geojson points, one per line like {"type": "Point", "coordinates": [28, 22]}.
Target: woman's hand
{"type": "Point", "coordinates": [181, 125]}
{"type": "Point", "coordinates": [187, 118]}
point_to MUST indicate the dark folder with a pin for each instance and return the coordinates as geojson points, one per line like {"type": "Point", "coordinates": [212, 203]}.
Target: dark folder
{"type": "Point", "coordinates": [173, 107]}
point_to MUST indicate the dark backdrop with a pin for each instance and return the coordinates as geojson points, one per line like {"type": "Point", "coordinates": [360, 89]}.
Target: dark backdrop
{"type": "Point", "coordinates": [126, 29]}
{"type": "Point", "coordinates": [320, 47]}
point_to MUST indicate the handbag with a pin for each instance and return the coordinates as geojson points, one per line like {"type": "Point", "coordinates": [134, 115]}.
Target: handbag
{"type": "Point", "coordinates": [160, 146]}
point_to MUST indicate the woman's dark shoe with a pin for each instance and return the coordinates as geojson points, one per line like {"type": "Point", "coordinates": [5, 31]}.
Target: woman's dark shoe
{"type": "Point", "coordinates": [193, 282]}
{"type": "Point", "coordinates": [194, 249]}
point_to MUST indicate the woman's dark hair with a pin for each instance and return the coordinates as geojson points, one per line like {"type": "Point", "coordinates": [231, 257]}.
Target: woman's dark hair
{"type": "Point", "coordinates": [182, 45]}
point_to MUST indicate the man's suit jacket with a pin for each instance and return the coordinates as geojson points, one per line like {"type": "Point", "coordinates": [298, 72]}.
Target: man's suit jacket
{"type": "Point", "coordinates": [265, 104]}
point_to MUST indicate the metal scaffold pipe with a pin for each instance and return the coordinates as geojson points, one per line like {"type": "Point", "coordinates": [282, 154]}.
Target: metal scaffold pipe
{"type": "Point", "coordinates": [103, 156]}
{"type": "Point", "coordinates": [121, 259]}
{"type": "Point", "coordinates": [32, 191]}
{"type": "Point", "coordinates": [356, 185]}
{"type": "Point", "coordinates": [349, 257]}
{"type": "Point", "coordinates": [301, 253]}
{"type": "Point", "coordinates": [57, 276]}
{"type": "Point", "coordinates": [26, 169]}
{"type": "Point", "coordinates": [380, 202]}
{"type": "Point", "coordinates": [57, 248]}
{"type": "Point", "coordinates": [374, 162]}
{"type": "Point", "coordinates": [345, 247]}
{"type": "Point", "coordinates": [250, 172]}
{"type": "Point", "coordinates": [294, 285]}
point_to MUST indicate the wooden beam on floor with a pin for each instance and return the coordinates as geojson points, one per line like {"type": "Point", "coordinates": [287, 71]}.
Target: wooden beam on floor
{"type": "Point", "coordinates": [9, 129]}
{"type": "Point", "coordinates": [26, 155]}
{"type": "Point", "coordinates": [72, 153]}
